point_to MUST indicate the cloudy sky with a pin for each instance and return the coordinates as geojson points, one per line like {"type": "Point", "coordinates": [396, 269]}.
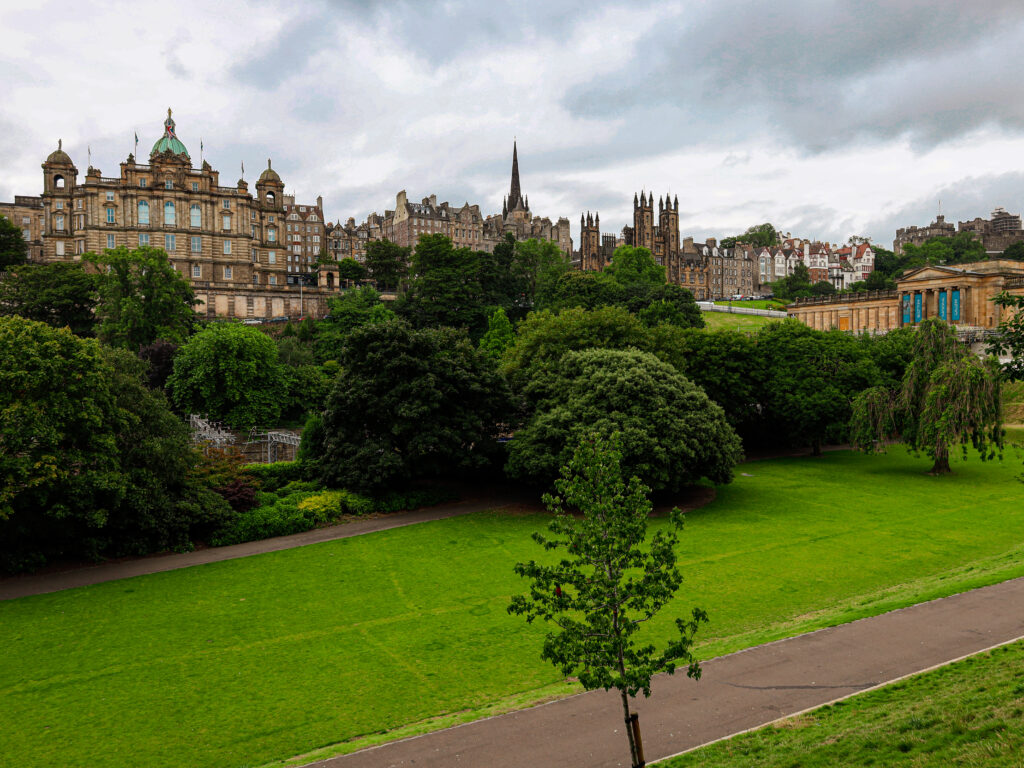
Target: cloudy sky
{"type": "Point", "coordinates": [826, 118]}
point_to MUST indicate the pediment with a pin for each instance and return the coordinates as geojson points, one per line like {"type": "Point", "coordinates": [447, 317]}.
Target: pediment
{"type": "Point", "coordinates": [935, 272]}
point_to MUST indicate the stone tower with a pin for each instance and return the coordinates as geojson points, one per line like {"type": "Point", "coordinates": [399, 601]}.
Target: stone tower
{"type": "Point", "coordinates": [643, 221]}
{"type": "Point", "coordinates": [590, 242]}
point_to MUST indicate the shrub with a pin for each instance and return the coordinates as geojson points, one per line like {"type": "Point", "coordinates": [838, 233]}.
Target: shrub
{"type": "Point", "coordinates": [395, 502]}
{"type": "Point", "coordinates": [333, 504]}
{"type": "Point", "coordinates": [272, 477]}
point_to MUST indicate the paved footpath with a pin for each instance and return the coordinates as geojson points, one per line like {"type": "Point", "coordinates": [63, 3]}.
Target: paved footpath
{"type": "Point", "coordinates": [35, 584]}
{"type": "Point", "coordinates": [737, 692]}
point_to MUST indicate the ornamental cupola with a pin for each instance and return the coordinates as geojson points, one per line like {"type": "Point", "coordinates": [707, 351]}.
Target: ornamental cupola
{"type": "Point", "coordinates": [169, 146]}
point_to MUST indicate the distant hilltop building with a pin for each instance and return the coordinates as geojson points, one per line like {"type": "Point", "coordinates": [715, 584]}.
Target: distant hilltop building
{"type": "Point", "coordinates": [996, 234]}
{"type": "Point", "coordinates": [242, 252]}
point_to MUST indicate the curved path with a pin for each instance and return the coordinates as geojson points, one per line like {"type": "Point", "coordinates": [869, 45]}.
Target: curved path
{"type": "Point", "coordinates": [736, 693]}
{"type": "Point", "coordinates": [39, 583]}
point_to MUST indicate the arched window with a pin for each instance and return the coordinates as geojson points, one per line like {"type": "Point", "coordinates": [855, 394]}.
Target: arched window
{"type": "Point", "coordinates": [330, 281]}
{"type": "Point", "coordinates": [271, 198]}
{"type": "Point", "coordinates": [169, 217]}
{"type": "Point", "coordinates": [195, 216]}
{"type": "Point", "coordinates": [143, 212]}
{"type": "Point", "coordinates": [58, 181]}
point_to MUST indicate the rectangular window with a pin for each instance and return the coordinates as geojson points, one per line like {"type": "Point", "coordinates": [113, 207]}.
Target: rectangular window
{"type": "Point", "coordinates": [271, 257]}
{"type": "Point", "coordinates": [195, 186]}
{"type": "Point", "coordinates": [79, 246]}
{"type": "Point", "coordinates": [195, 216]}
{"type": "Point", "coordinates": [253, 215]}
{"type": "Point", "coordinates": [227, 273]}
{"type": "Point", "coordinates": [110, 241]}
{"type": "Point", "coordinates": [110, 215]}
{"type": "Point", "coordinates": [225, 222]}
{"type": "Point", "coordinates": [59, 205]}
{"type": "Point", "coordinates": [169, 243]}
{"type": "Point", "coordinates": [58, 222]}
{"type": "Point", "coordinates": [169, 215]}
{"type": "Point", "coordinates": [168, 184]}
{"type": "Point", "coordinates": [272, 279]}
{"type": "Point", "coordinates": [227, 247]}
{"type": "Point", "coordinates": [60, 247]}
{"type": "Point", "coordinates": [271, 219]}
{"type": "Point", "coordinates": [143, 213]}
{"type": "Point", "coordinates": [78, 204]}
{"type": "Point", "coordinates": [110, 196]}
{"type": "Point", "coordinates": [255, 279]}
{"type": "Point", "coordinates": [197, 271]}
{"type": "Point", "coordinates": [26, 234]}
{"type": "Point", "coordinates": [197, 244]}
{"type": "Point", "coordinates": [272, 235]}
{"type": "Point", "coordinates": [142, 183]}
{"type": "Point", "coordinates": [226, 203]}
{"type": "Point", "coordinates": [143, 238]}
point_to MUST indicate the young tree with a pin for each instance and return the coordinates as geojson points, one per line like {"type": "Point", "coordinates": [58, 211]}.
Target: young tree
{"type": "Point", "coordinates": [948, 397]}
{"type": "Point", "coordinates": [142, 298]}
{"type": "Point", "coordinates": [231, 372]}
{"type": "Point", "coordinates": [351, 271]}
{"type": "Point", "coordinates": [499, 336]}
{"type": "Point", "coordinates": [607, 584]}
{"type": "Point", "coordinates": [387, 263]}
{"type": "Point", "coordinates": [58, 294]}
{"type": "Point", "coordinates": [13, 248]}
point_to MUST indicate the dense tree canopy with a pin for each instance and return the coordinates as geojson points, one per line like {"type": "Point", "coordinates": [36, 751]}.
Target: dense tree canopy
{"type": "Point", "coordinates": [92, 462]}
{"type": "Point", "coordinates": [408, 404]}
{"type": "Point", "coordinates": [445, 291]}
{"type": "Point", "coordinates": [142, 298]}
{"type": "Point", "coordinates": [58, 294]}
{"type": "Point", "coordinates": [387, 263]}
{"type": "Point", "coordinates": [1009, 340]}
{"type": "Point", "coordinates": [499, 336]}
{"type": "Point", "coordinates": [760, 235]}
{"type": "Point", "coordinates": [13, 248]}
{"type": "Point", "coordinates": [354, 309]}
{"type": "Point", "coordinates": [229, 372]}
{"type": "Point", "coordinates": [631, 265]}
{"type": "Point", "coordinates": [672, 433]}
{"type": "Point", "coordinates": [351, 271]}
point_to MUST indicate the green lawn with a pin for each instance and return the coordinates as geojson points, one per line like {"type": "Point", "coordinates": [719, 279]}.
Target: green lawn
{"type": "Point", "coordinates": [756, 304]}
{"type": "Point", "coordinates": [248, 661]}
{"type": "Point", "coordinates": [969, 713]}
{"type": "Point", "coordinates": [717, 321]}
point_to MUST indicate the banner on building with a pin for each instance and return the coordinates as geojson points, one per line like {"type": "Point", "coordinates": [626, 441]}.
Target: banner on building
{"type": "Point", "coordinates": [918, 314]}
{"type": "Point", "coordinates": [942, 306]}
{"type": "Point", "coordinates": [906, 309]}
{"type": "Point", "coordinates": [955, 306]}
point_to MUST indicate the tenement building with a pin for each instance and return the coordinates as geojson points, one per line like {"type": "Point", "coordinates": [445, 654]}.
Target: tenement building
{"type": "Point", "coordinates": [960, 295]}
{"type": "Point", "coordinates": [26, 213]}
{"type": "Point", "coordinates": [229, 243]}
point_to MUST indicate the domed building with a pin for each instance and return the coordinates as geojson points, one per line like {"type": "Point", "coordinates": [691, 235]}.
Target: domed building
{"type": "Point", "coordinates": [229, 242]}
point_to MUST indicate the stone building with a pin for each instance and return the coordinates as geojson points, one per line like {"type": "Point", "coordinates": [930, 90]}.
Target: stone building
{"type": "Point", "coordinates": [731, 271]}
{"type": "Point", "coordinates": [26, 213]}
{"type": "Point", "coordinates": [305, 237]}
{"type": "Point", "coordinates": [464, 225]}
{"type": "Point", "coordinates": [228, 242]}
{"type": "Point", "coordinates": [920, 235]}
{"type": "Point", "coordinates": [959, 295]}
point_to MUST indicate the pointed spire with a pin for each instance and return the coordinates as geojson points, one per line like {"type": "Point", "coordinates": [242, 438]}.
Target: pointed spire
{"type": "Point", "coordinates": [635, 202]}
{"type": "Point", "coordinates": [677, 202]}
{"type": "Point", "coordinates": [661, 204]}
{"type": "Point", "coordinates": [514, 195]}
{"type": "Point", "coordinates": [583, 221]}
{"type": "Point", "coordinates": [597, 218]}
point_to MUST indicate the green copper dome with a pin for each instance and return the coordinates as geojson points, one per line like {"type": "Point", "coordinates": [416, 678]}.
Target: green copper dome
{"type": "Point", "coordinates": [169, 142]}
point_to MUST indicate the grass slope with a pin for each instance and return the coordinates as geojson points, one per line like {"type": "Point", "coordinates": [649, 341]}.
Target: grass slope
{"type": "Point", "coordinates": [248, 661]}
{"type": "Point", "coordinates": [969, 713]}
{"type": "Point", "coordinates": [717, 321]}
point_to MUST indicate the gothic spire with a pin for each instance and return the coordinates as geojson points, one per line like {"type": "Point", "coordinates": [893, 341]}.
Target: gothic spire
{"type": "Point", "coordinates": [514, 195]}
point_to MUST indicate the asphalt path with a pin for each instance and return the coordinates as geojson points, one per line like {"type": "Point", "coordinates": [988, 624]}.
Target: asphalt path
{"type": "Point", "coordinates": [38, 583]}
{"type": "Point", "coordinates": [736, 693]}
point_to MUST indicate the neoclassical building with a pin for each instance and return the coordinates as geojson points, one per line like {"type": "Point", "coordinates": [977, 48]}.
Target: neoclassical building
{"type": "Point", "coordinates": [961, 295]}
{"type": "Point", "coordinates": [231, 244]}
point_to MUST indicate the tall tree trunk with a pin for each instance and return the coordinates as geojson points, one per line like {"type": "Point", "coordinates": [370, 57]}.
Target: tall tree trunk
{"type": "Point", "coordinates": [941, 465]}
{"type": "Point", "coordinates": [629, 729]}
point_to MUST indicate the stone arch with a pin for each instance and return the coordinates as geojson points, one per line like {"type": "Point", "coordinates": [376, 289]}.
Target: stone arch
{"type": "Point", "coordinates": [58, 181]}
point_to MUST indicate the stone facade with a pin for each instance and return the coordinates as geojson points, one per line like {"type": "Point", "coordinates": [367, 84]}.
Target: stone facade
{"type": "Point", "coordinates": [26, 213]}
{"type": "Point", "coordinates": [731, 271]}
{"type": "Point", "coordinates": [226, 241]}
{"type": "Point", "coordinates": [920, 235]}
{"type": "Point", "coordinates": [996, 234]}
{"type": "Point", "coordinates": [464, 225]}
{"type": "Point", "coordinates": [959, 295]}
{"type": "Point", "coordinates": [841, 266]}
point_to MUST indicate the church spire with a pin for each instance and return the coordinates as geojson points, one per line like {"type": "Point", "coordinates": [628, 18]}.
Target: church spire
{"type": "Point", "coordinates": [514, 196]}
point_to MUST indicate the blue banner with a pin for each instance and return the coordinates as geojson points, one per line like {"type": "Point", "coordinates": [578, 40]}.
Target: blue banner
{"type": "Point", "coordinates": [955, 306]}
{"type": "Point", "coordinates": [906, 309]}
{"type": "Point", "coordinates": [917, 307]}
{"type": "Point", "coordinates": [942, 305]}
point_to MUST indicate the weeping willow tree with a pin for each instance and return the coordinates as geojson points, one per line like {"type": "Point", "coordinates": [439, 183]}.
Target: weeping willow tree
{"type": "Point", "coordinates": [948, 398]}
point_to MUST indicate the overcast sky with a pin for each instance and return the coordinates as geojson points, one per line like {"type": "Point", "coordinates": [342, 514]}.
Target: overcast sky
{"type": "Point", "coordinates": [826, 118]}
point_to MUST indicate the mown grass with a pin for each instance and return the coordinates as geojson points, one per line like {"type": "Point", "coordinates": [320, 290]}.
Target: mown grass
{"type": "Point", "coordinates": [717, 321]}
{"type": "Point", "coordinates": [969, 713]}
{"type": "Point", "coordinates": [250, 661]}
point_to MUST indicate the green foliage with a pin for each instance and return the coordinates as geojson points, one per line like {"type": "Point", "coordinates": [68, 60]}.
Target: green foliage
{"type": "Point", "coordinates": [387, 263]}
{"type": "Point", "coordinates": [288, 331]}
{"type": "Point", "coordinates": [672, 433]}
{"type": "Point", "coordinates": [92, 461]}
{"type": "Point", "coordinates": [607, 584]}
{"type": "Point", "coordinates": [330, 505]}
{"type": "Point", "coordinates": [587, 290]}
{"type": "Point", "coordinates": [795, 286]}
{"type": "Point", "coordinates": [672, 305]}
{"type": "Point", "coordinates": [408, 404]}
{"type": "Point", "coordinates": [1014, 251]}
{"type": "Point", "coordinates": [273, 477]}
{"type": "Point", "coordinates": [631, 265]}
{"type": "Point", "coordinates": [1009, 338]}
{"type": "Point", "coordinates": [351, 270]}
{"type": "Point", "coordinates": [760, 235]}
{"type": "Point", "coordinates": [229, 372]}
{"type": "Point", "coordinates": [499, 336]}
{"type": "Point", "coordinates": [948, 397]}
{"type": "Point", "coordinates": [810, 379]}
{"type": "Point", "coordinates": [142, 298]}
{"type": "Point", "coordinates": [307, 387]}
{"type": "Point", "coordinates": [277, 515]}
{"type": "Point", "coordinates": [307, 329]}
{"type": "Point", "coordinates": [13, 248]}
{"type": "Point", "coordinates": [396, 501]}
{"type": "Point", "coordinates": [294, 353]}
{"type": "Point", "coordinates": [354, 309]}
{"type": "Point", "coordinates": [58, 294]}
{"type": "Point", "coordinates": [538, 264]}
{"type": "Point", "coordinates": [445, 291]}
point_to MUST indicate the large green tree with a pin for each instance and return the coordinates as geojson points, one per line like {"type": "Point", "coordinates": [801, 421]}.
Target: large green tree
{"type": "Point", "coordinates": [948, 398]}
{"type": "Point", "coordinates": [499, 336]}
{"type": "Point", "coordinates": [672, 433]}
{"type": "Point", "coordinates": [58, 294]}
{"type": "Point", "coordinates": [1009, 338]}
{"type": "Point", "coordinates": [630, 265]}
{"type": "Point", "coordinates": [230, 372]}
{"type": "Point", "coordinates": [13, 248]}
{"type": "Point", "coordinates": [142, 298]}
{"type": "Point", "coordinates": [92, 462]}
{"type": "Point", "coordinates": [387, 263]}
{"type": "Point", "coordinates": [408, 404]}
{"type": "Point", "coordinates": [608, 583]}
{"type": "Point", "coordinates": [351, 271]}
{"type": "Point", "coordinates": [445, 289]}
{"type": "Point", "coordinates": [354, 309]}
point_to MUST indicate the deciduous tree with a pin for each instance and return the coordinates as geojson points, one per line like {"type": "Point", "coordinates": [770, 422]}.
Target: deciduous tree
{"type": "Point", "coordinates": [387, 263]}
{"type": "Point", "coordinates": [58, 294]}
{"type": "Point", "coordinates": [609, 582]}
{"type": "Point", "coordinates": [13, 248]}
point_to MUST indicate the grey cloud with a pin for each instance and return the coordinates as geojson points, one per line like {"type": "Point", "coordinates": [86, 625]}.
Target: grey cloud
{"type": "Point", "coordinates": [286, 56]}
